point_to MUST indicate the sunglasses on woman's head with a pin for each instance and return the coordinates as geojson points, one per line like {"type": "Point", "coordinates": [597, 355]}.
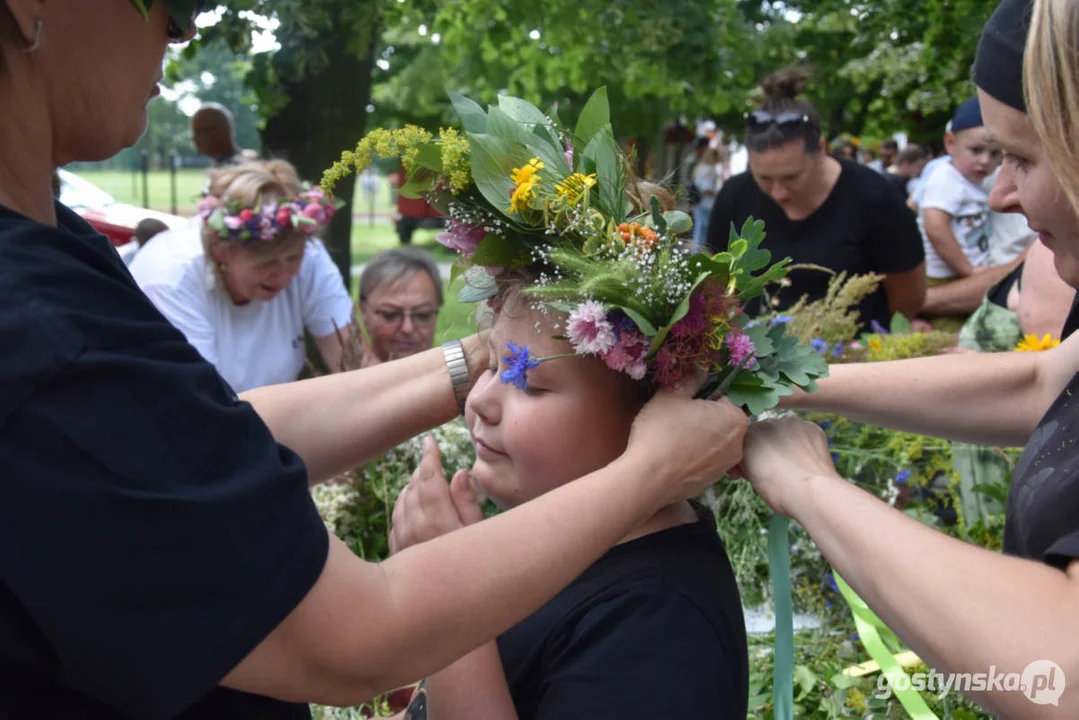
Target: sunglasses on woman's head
{"type": "Point", "coordinates": [760, 120]}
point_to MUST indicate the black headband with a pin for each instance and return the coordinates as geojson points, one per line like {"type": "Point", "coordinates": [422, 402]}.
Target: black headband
{"type": "Point", "coordinates": [998, 66]}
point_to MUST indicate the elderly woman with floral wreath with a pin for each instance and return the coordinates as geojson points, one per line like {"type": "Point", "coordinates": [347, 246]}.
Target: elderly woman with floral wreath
{"type": "Point", "coordinates": [245, 283]}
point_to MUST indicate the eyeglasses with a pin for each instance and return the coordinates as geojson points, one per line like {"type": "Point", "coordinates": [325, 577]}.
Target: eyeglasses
{"type": "Point", "coordinates": [177, 34]}
{"type": "Point", "coordinates": [760, 120]}
{"type": "Point", "coordinates": [423, 317]}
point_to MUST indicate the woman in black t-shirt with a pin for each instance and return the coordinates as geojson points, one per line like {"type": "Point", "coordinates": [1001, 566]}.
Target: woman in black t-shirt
{"type": "Point", "coordinates": [160, 553]}
{"type": "Point", "coordinates": [819, 210]}
{"type": "Point", "coordinates": [965, 609]}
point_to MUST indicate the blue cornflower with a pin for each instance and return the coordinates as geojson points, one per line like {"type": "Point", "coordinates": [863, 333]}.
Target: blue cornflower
{"type": "Point", "coordinates": [902, 477]}
{"type": "Point", "coordinates": [835, 458]}
{"type": "Point", "coordinates": [838, 349]}
{"type": "Point", "coordinates": [819, 346]}
{"type": "Point", "coordinates": [876, 327]}
{"type": "Point", "coordinates": [830, 582]}
{"type": "Point", "coordinates": [780, 319]}
{"type": "Point", "coordinates": [520, 362]}
{"type": "Point", "coordinates": [824, 424]}
{"type": "Point", "coordinates": [752, 323]}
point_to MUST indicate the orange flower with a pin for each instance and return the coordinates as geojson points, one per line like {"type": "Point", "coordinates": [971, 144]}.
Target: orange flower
{"type": "Point", "coordinates": [637, 233]}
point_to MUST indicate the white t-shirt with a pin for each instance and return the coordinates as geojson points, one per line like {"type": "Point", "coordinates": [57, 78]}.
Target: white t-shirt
{"type": "Point", "coordinates": [968, 204]}
{"type": "Point", "coordinates": [260, 343]}
{"type": "Point", "coordinates": [708, 177]}
{"type": "Point", "coordinates": [1009, 233]}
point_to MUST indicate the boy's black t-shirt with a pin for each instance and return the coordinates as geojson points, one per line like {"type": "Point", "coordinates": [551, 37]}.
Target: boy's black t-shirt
{"type": "Point", "coordinates": [863, 226]}
{"type": "Point", "coordinates": [654, 629]}
{"type": "Point", "coordinates": [1042, 520]}
{"type": "Point", "coordinates": [152, 533]}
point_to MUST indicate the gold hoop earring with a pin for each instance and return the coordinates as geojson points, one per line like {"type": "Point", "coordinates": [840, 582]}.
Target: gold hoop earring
{"type": "Point", "coordinates": [32, 47]}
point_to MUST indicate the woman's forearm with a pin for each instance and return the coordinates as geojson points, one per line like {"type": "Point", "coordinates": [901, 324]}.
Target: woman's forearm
{"type": "Point", "coordinates": [364, 628]}
{"type": "Point", "coordinates": [989, 399]}
{"type": "Point", "coordinates": [473, 687]}
{"type": "Point", "coordinates": [340, 421]}
{"type": "Point", "coordinates": [961, 608]}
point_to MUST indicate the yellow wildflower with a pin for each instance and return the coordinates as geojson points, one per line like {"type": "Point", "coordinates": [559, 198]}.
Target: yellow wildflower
{"type": "Point", "coordinates": [575, 186]}
{"type": "Point", "coordinates": [855, 700]}
{"type": "Point", "coordinates": [522, 175]}
{"type": "Point", "coordinates": [523, 194]}
{"type": "Point", "coordinates": [875, 343]}
{"type": "Point", "coordinates": [528, 180]}
{"type": "Point", "coordinates": [456, 159]}
{"type": "Point", "coordinates": [1031, 343]}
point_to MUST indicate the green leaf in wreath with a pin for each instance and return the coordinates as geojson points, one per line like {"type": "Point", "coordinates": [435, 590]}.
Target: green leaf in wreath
{"type": "Point", "coordinates": [499, 251]}
{"type": "Point", "coordinates": [472, 115]}
{"type": "Point", "coordinates": [658, 221]}
{"type": "Point", "coordinates": [479, 286]}
{"type": "Point", "coordinates": [678, 222]}
{"type": "Point", "coordinates": [639, 320]}
{"type": "Point", "coordinates": [900, 325]}
{"type": "Point", "coordinates": [595, 116]}
{"type": "Point", "coordinates": [493, 161]}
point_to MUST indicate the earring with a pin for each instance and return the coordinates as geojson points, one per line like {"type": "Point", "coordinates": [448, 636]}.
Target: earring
{"type": "Point", "coordinates": [32, 47]}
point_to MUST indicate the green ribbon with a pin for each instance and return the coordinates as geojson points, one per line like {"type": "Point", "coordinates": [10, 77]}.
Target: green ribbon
{"type": "Point", "coordinates": [779, 568]}
{"type": "Point", "coordinates": [876, 638]}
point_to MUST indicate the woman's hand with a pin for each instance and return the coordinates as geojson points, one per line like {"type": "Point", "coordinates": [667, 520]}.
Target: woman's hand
{"type": "Point", "coordinates": [689, 443]}
{"type": "Point", "coordinates": [429, 506]}
{"type": "Point", "coordinates": [780, 455]}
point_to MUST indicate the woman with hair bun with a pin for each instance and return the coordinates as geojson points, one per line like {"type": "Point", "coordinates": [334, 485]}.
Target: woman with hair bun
{"type": "Point", "coordinates": [244, 284]}
{"type": "Point", "coordinates": [818, 209]}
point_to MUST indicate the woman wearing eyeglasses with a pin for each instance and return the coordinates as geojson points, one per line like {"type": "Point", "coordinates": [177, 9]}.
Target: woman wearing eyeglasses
{"type": "Point", "coordinates": [160, 553]}
{"type": "Point", "coordinates": [818, 209]}
{"type": "Point", "coordinates": [400, 296]}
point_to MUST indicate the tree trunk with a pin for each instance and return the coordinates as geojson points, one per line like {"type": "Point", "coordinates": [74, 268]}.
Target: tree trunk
{"type": "Point", "coordinates": [871, 94]}
{"type": "Point", "coordinates": [326, 114]}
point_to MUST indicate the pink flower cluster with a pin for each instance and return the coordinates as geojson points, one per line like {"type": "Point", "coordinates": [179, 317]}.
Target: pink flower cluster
{"type": "Point", "coordinates": [591, 332]}
{"type": "Point", "coordinates": [308, 213]}
{"type": "Point", "coordinates": [462, 237]}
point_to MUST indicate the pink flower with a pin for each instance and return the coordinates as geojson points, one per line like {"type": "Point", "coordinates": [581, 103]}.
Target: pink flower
{"type": "Point", "coordinates": [589, 329]}
{"type": "Point", "coordinates": [315, 212]}
{"type": "Point", "coordinates": [462, 237]}
{"type": "Point", "coordinates": [569, 155]}
{"type": "Point", "coordinates": [628, 354]}
{"type": "Point", "coordinates": [233, 222]}
{"type": "Point", "coordinates": [740, 346]}
{"type": "Point", "coordinates": [284, 217]}
{"type": "Point", "coordinates": [246, 215]}
{"type": "Point", "coordinates": [207, 206]}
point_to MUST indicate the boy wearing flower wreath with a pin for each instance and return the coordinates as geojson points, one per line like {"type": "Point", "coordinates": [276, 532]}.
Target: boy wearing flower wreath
{"type": "Point", "coordinates": [596, 306]}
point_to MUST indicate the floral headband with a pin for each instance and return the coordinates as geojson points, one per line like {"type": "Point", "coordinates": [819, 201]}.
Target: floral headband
{"type": "Point", "coordinates": [308, 212]}
{"type": "Point", "coordinates": [522, 191]}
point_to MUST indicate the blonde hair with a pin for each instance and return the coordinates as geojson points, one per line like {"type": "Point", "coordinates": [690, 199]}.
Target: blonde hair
{"type": "Point", "coordinates": [251, 185]}
{"type": "Point", "coordinates": [1051, 87]}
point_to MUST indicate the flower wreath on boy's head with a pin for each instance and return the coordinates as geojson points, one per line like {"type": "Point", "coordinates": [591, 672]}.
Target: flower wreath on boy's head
{"type": "Point", "coordinates": [520, 190]}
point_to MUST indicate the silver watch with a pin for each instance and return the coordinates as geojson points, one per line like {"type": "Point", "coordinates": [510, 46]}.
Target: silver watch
{"type": "Point", "coordinates": [458, 367]}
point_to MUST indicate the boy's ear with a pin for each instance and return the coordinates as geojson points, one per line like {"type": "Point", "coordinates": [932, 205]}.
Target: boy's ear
{"type": "Point", "coordinates": [949, 142]}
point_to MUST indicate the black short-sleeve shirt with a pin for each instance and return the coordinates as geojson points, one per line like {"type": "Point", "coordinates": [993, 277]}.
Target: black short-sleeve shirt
{"type": "Point", "coordinates": [654, 629]}
{"type": "Point", "coordinates": [863, 226]}
{"type": "Point", "coordinates": [152, 533]}
{"type": "Point", "coordinates": [1043, 504]}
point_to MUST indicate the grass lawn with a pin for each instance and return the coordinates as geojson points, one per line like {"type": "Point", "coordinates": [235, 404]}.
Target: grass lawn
{"type": "Point", "coordinates": [126, 186]}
